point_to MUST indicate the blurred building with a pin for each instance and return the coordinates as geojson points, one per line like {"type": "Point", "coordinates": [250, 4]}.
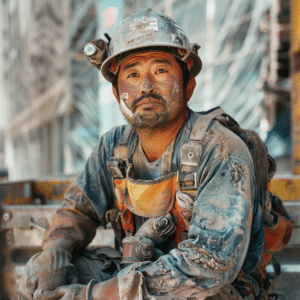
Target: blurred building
{"type": "Point", "coordinates": [278, 85]}
{"type": "Point", "coordinates": [58, 103]}
{"type": "Point", "coordinates": [52, 89]}
{"type": "Point", "coordinates": [234, 51]}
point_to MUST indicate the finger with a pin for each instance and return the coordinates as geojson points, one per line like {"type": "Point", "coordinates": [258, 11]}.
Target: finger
{"type": "Point", "coordinates": [56, 294]}
{"type": "Point", "coordinates": [32, 283]}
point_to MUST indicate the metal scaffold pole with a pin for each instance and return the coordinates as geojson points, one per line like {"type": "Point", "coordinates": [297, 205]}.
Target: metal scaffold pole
{"type": "Point", "coordinates": [295, 71]}
{"type": "Point", "coordinates": [209, 54]}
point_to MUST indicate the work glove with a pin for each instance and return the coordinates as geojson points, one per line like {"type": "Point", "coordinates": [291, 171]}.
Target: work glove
{"type": "Point", "coordinates": [137, 249]}
{"type": "Point", "coordinates": [186, 207]}
{"type": "Point", "coordinates": [54, 266]}
{"type": "Point", "coordinates": [141, 246]}
{"type": "Point", "coordinates": [66, 292]}
{"type": "Point", "coordinates": [93, 291]}
{"type": "Point", "coordinates": [157, 229]}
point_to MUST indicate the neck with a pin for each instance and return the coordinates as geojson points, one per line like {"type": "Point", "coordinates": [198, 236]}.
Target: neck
{"type": "Point", "coordinates": [156, 140]}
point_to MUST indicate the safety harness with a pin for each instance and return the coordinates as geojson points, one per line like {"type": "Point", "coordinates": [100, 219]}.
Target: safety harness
{"type": "Point", "coordinates": [151, 198]}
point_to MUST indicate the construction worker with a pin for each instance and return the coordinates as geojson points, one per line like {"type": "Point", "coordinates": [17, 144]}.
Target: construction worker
{"type": "Point", "coordinates": [178, 187]}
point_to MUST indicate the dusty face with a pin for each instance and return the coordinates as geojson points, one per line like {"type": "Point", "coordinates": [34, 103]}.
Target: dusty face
{"type": "Point", "coordinates": [151, 89]}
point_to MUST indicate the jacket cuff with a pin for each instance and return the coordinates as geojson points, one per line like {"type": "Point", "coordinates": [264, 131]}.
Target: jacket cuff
{"type": "Point", "coordinates": [58, 242]}
{"type": "Point", "coordinates": [89, 289]}
{"type": "Point", "coordinates": [54, 260]}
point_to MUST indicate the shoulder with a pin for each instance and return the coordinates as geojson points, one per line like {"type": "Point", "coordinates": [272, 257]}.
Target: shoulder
{"type": "Point", "coordinates": [217, 141]}
{"type": "Point", "coordinates": [114, 135]}
{"type": "Point", "coordinates": [110, 139]}
{"type": "Point", "coordinates": [222, 143]}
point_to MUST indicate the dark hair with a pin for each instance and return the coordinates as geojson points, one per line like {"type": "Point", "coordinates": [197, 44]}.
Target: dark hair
{"type": "Point", "coordinates": [115, 83]}
{"type": "Point", "coordinates": [184, 69]}
{"type": "Point", "coordinates": [185, 72]}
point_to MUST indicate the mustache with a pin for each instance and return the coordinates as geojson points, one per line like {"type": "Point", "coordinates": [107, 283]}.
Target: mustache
{"type": "Point", "coordinates": [139, 99]}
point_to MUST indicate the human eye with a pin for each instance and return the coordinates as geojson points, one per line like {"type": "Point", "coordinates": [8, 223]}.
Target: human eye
{"type": "Point", "coordinates": [132, 75]}
{"type": "Point", "coordinates": [161, 70]}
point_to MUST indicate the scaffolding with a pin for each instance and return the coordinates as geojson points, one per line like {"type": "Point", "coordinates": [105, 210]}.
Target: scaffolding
{"type": "Point", "coordinates": [233, 50]}
{"type": "Point", "coordinates": [62, 105]}
{"type": "Point", "coordinates": [84, 83]}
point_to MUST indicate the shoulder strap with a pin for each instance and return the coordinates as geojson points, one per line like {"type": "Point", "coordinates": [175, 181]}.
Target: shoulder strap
{"type": "Point", "coordinates": [121, 150]}
{"type": "Point", "coordinates": [166, 161]}
{"type": "Point", "coordinates": [190, 151]}
{"type": "Point", "coordinates": [202, 123]}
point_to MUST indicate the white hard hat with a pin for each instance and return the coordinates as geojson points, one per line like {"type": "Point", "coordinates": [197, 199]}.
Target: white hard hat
{"type": "Point", "coordinates": [147, 30]}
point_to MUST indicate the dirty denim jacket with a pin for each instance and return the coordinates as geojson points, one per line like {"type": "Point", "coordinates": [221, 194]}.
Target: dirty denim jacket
{"type": "Point", "coordinates": [226, 230]}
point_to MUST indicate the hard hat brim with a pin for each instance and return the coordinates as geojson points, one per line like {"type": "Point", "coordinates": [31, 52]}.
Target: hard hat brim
{"type": "Point", "coordinates": [109, 75]}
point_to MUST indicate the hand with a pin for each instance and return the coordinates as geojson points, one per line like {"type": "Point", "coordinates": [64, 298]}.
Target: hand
{"type": "Point", "coordinates": [140, 247]}
{"type": "Point", "coordinates": [66, 292]}
{"type": "Point", "coordinates": [137, 249]}
{"type": "Point", "coordinates": [93, 291]}
{"type": "Point", "coordinates": [105, 290]}
{"type": "Point", "coordinates": [186, 207]}
{"type": "Point", "coordinates": [157, 229]}
{"type": "Point", "coordinates": [53, 267]}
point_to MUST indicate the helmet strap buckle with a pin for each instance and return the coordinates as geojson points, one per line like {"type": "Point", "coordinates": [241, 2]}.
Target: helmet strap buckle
{"type": "Point", "coordinates": [114, 66]}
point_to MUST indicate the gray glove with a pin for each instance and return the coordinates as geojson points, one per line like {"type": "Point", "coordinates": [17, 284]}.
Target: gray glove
{"type": "Point", "coordinates": [186, 206]}
{"type": "Point", "coordinates": [53, 267]}
{"type": "Point", "coordinates": [157, 229]}
{"type": "Point", "coordinates": [93, 291]}
{"type": "Point", "coordinates": [141, 246]}
{"type": "Point", "coordinates": [66, 292]}
{"type": "Point", "coordinates": [137, 249]}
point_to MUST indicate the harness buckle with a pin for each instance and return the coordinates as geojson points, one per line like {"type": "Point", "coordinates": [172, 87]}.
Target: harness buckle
{"type": "Point", "coordinates": [190, 154]}
{"type": "Point", "coordinates": [188, 181]}
{"type": "Point", "coordinates": [118, 167]}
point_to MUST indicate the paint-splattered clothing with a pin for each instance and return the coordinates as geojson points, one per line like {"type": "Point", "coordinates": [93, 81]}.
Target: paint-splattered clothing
{"type": "Point", "coordinates": [226, 230]}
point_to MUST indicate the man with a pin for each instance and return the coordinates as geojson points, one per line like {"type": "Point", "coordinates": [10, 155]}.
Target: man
{"type": "Point", "coordinates": [188, 210]}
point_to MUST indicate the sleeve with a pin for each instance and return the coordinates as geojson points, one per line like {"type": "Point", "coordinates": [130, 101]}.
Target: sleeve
{"type": "Point", "coordinates": [74, 225]}
{"type": "Point", "coordinates": [218, 236]}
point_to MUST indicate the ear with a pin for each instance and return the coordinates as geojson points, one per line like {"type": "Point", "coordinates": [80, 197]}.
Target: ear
{"type": "Point", "coordinates": [190, 88]}
{"type": "Point", "coordinates": [114, 90]}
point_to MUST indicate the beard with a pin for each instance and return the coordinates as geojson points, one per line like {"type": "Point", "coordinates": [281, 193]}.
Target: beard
{"type": "Point", "coordinates": [148, 119]}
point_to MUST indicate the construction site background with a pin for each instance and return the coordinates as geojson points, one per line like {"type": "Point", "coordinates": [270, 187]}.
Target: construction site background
{"type": "Point", "coordinates": [55, 105]}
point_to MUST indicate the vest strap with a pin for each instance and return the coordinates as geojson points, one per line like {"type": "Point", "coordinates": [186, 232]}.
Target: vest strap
{"type": "Point", "coordinates": [166, 160]}
{"type": "Point", "coordinates": [126, 135]}
{"type": "Point", "coordinates": [190, 152]}
{"type": "Point", "coordinates": [121, 150]}
{"type": "Point", "coordinates": [202, 123]}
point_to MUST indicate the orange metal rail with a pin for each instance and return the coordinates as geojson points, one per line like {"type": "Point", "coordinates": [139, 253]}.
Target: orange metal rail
{"type": "Point", "coordinates": [46, 191]}
{"type": "Point", "coordinates": [39, 191]}
{"type": "Point", "coordinates": [288, 189]}
{"type": "Point", "coordinates": [295, 72]}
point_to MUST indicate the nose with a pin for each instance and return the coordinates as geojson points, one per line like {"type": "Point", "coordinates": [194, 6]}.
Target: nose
{"type": "Point", "coordinates": [148, 87]}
